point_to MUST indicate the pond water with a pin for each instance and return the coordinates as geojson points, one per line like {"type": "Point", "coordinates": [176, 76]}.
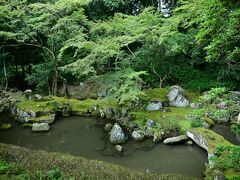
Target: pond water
{"type": "Point", "coordinates": [225, 131]}
{"type": "Point", "coordinates": [85, 137]}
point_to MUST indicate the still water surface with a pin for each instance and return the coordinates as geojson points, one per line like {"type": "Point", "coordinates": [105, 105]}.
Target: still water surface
{"type": "Point", "coordinates": [85, 137]}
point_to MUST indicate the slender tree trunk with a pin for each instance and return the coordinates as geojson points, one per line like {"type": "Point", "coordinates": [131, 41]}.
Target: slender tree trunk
{"type": "Point", "coordinates": [5, 75]}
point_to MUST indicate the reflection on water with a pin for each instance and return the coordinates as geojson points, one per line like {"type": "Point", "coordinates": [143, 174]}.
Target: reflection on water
{"type": "Point", "coordinates": [225, 131]}
{"type": "Point", "coordinates": [85, 137]}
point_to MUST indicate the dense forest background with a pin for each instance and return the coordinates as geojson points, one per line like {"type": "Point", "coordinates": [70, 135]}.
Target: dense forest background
{"type": "Point", "coordinates": [45, 44]}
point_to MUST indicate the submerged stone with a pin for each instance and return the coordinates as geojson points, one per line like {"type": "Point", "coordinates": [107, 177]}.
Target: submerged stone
{"type": "Point", "coordinates": [36, 127]}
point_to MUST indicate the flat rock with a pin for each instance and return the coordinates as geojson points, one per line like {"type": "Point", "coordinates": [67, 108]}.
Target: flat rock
{"type": "Point", "coordinates": [175, 139]}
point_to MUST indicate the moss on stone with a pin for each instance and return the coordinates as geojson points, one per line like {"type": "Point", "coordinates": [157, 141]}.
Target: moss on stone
{"type": "Point", "coordinates": [5, 126]}
{"type": "Point", "coordinates": [212, 139]}
{"type": "Point", "coordinates": [156, 94]}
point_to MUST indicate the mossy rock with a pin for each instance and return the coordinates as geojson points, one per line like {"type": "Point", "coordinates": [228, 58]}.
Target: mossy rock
{"type": "Point", "coordinates": [207, 139]}
{"type": "Point", "coordinates": [5, 126]}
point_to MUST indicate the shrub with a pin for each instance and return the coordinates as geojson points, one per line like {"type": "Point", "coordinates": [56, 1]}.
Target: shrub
{"type": "Point", "coordinates": [196, 123]}
{"type": "Point", "coordinates": [54, 173]}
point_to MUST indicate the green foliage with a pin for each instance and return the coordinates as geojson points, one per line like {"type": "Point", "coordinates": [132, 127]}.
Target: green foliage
{"type": "Point", "coordinates": [213, 95]}
{"type": "Point", "coordinates": [54, 173]}
{"type": "Point", "coordinates": [196, 123]}
{"type": "Point", "coordinates": [235, 128]}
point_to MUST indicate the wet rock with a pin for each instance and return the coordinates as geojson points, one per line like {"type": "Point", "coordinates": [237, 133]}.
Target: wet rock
{"type": "Point", "coordinates": [189, 142]}
{"type": "Point", "coordinates": [102, 113]}
{"type": "Point", "coordinates": [117, 135]}
{"type": "Point", "coordinates": [157, 137]}
{"type": "Point", "coordinates": [176, 98]}
{"type": "Point", "coordinates": [102, 93]}
{"type": "Point", "coordinates": [195, 105]}
{"type": "Point", "coordinates": [150, 123]}
{"type": "Point", "coordinates": [175, 139]}
{"type": "Point", "coordinates": [50, 119]}
{"type": "Point", "coordinates": [32, 114]}
{"type": "Point", "coordinates": [108, 127]}
{"type": "Point", "coordinates": [119, 148]}
{"type": "Point", "coordinates": [109, 113]}
{"type": "Point", "coordinates": [37, 97]}
{"type": "Point", "coordinates": [154, 105]}
{"type": "Point", "coordinates": [138, 135]}
{"type": "Point", "coordinates": [36, 127]}
{"type": "Point", "coordinates": [66, 111]}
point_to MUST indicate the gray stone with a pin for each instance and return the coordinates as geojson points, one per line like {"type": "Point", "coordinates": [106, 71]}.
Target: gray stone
{"type": "Point", "coordinates": [175, 139]}
{"type": "Point", "coordinates": [150, 123]}
{"type": "Point", "coordinates": [119, 148]}
{"type": "Point", "coordinates": [157, 137]}
{"type": "Point", "coordinates": [109, 113]}
{"type": "Point", "coordinates": [195, 105]}
{"type": "Point", "coordinates": [102, 93]}
{"type": "Point", "coordinates": [154, 105]}
{"type": "Point", "coordinates": [28, 94]}
{"type": "Point", "coordinates": [117, 135]}
{"type": "Point", "coordinates": [138, 135]}
{"type": "Point", "coordinates": [149, 132]}
{"type": "Point", "coordinates": [37, 97]}
{"type": "Point", "coordinates": [108, 127]}
{"type": "Point", "coordinates": [176, 98]}
{"type": "Point", "coordinates": [40, 127]}
{"type": "Point", "coordinates": [81, 86]}
{"type": "Point", "coordinates": [66, 111]}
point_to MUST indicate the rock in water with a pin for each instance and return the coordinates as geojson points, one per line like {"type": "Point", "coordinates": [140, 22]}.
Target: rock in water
{"type": "Point", "coordinates": [117, 135]}
{"type": "Point", "coordinates": [138, 135]}
{"type": "Point", "coordinates": [119, 148]}
{"type": "Point", "coordinates": [108, 127]}
{"type": "Point", "coordinates": [176, 98]}
{"type": "Point", "coordinates": [175, 139]}
{"type": "Point", "coordinates": [40, 127]}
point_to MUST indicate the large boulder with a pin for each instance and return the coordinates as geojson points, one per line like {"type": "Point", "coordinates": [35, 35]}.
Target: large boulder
{"type": "Point", "coordinates": [175, 139]}
{"type": "Point", "coordinates": [176, 98]}
{"type": "Point", "coordinates": [154, 105]}
{"type": "Point", "coordinates": [206, 139]}
{"type": "Point", "coordinates": [138, 135]}
{"type": "Point", "coordinates": [117, 135]}
{"type": "Point", "coordinates": [36, 127]}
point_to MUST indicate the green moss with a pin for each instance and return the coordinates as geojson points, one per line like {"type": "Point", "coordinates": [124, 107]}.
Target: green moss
{"type": "Point", "coordinates": [56, 103]}
{"type": "Point", "coordinates": [207, 120]}
{"type": "Point", "coordinates": [26, 125]}
{"type": "Point", "coordinates": [230, 174]}
{"type": "Point", "coordinates": [40, 118]}
{"type": "Point", "coordinates": [192, 96]}
{"type": "Point", "coordinates": [184, 125]}
{"type": "Point", "coordinates": [213, 139]}
{"type": "Point", "coordinates": [5, 126]}
{"type": "Point", "coordinates": [156, 94]}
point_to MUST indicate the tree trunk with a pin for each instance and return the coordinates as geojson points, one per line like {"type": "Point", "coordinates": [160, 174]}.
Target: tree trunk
{"type": "Point", "coordinates": [5, 75]}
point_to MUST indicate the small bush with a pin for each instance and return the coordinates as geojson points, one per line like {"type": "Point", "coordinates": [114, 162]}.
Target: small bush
{"type": "Point", "coordinates": [54, 173]}
{"type": "Point", "coordinates": [235, 128]}
{"type": "Point", "coordinates": [196, 123]}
